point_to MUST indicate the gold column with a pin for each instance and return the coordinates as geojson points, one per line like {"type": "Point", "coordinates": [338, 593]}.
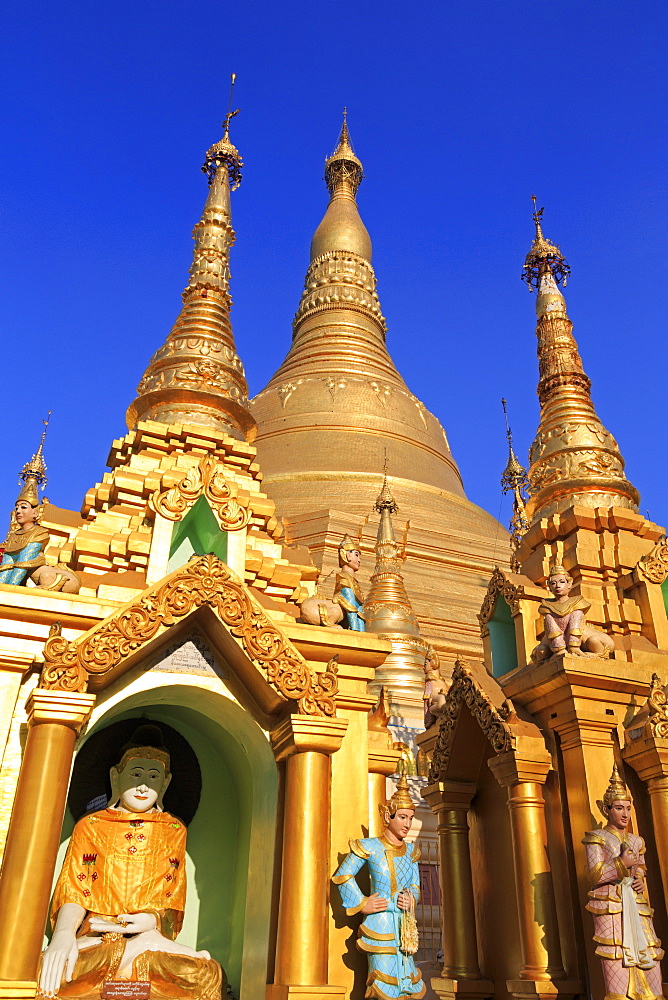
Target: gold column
{"type": "Point", "coordinates": [450, 801]}
{"type": "Point", "coordinates": [301, 949]}
{"type": "Point", "coordinates": [539, 933]}
{"type": "Point", "coordinates": [54, 718]}
{"type": "Point", "coordinates": [648, 755]}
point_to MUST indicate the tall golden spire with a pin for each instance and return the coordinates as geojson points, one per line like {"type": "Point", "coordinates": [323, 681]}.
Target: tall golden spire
{"type": "Point", "coordinates": [388, 612]}
{"type": "Point", "coordinates": [196, 377]}
{"type": "Point", "coordinates": [573, 459]}
{"type": "Point", "coordinates": [337, 399]}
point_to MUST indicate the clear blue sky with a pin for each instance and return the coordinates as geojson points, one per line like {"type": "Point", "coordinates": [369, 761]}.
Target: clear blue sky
{"type": "Point", "coordinates": [459, 112]}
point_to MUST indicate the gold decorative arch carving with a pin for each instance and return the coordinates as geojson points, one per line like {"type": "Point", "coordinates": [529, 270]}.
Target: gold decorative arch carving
{"type": "Point", "coordinates": [494, 722]}
{"type": "Point", "coordinates": [205, 479]}
{"type": "Point", "coordinates": [205, 580]}
{"type": "Point", "coordinates": [512, 593]}
{"type": "Point", "coordinates": [653, 566]}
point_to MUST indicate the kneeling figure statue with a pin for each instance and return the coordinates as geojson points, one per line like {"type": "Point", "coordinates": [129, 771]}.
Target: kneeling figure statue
{"type": "Point", "coordinates": [566, 629]}
{"type": "Point", "coordinates": [120, 897]}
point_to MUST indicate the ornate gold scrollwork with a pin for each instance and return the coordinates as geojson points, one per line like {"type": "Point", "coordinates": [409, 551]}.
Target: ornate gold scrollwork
{"type": "Point", "coordinates": [654, 565]}
{"type": "Point", "coordinates": [204, 580]}
{"type": "Point", "coordinates": [203, 479]}
{"type": "Point", "coordinates": [465, 691]}
{"type": "Point", "coordinates": [657, 707]}
{"type": "Point", "coordinates": [512, 594]}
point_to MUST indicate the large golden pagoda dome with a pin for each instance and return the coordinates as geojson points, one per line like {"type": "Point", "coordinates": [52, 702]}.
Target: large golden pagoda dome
{"type": "Point", "coordinates": [337, 408]}
{"type": "Point", "coordinates": [337, 404]}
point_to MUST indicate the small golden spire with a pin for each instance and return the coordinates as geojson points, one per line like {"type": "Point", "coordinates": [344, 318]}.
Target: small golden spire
{"type": "Point", "coordinates": [196, 377]}
{"type": "Point", "coordinates": [543, 256]}
{"type": "Point", "coordinates": [573, 459]}
{"type": "Point", "coordinates": [385, 500]}
{"type": "Point", "coordinates": [515, 480]}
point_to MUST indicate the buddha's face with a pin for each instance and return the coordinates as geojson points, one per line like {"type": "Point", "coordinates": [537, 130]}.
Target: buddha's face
{"type": "Point", "coordinates": [140, 784]}
{"type": "Point", "coordinates": [400, 823]}
{"type": "Point", "coordinates": [560, 585]}
{"type": "Point", "coordinates": [25, 514]}
{"type": "Point", "coordinates": [619, 814]}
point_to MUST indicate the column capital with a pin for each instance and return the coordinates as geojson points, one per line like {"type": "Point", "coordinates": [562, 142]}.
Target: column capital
{"type": "Point", "coordinates": [648, 756]}
{"type": "Point", "coordinates": [382, 756]}
{"type": "Point", "coordinates": [513, 768]}
{"type": "Point", "coordinates": [444, 795]}
{"type": "Point", "coordinates": [64, 708]}
{"type": "Point", "coordinates": [300, 733]}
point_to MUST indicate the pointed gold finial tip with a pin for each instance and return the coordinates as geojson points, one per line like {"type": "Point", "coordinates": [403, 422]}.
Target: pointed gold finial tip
{"type": "Point", "coordinates": [543, 255]}
{"type": "Point", "coordinates": [385, 500]}
{"type": "Point", "coordinates": [343, 165]}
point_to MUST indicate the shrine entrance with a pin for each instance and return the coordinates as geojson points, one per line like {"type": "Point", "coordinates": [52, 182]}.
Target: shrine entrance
{"type": "Point", "coordinates": [231, 838]}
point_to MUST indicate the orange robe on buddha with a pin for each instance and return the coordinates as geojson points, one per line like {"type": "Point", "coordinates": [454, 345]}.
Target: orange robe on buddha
{"type": "Point", "coordinates": [119, 862]}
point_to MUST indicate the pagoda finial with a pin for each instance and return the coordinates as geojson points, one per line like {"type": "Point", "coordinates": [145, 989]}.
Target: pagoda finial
{"type": "Point", "coordinates": [343, 167]}
{"type": "Point", "coordinates": [543, 256]}
{"type": "Point", "coordinates": [224, 152]}
{"type": "Point", "coordinates": [385, 500]}
{"type": "Point", "coordinates": [515, 480]}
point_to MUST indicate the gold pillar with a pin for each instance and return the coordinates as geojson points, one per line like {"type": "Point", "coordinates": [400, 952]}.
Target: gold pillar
{"type": "Point", "coordinates": [54, 718]}
{"type": "Point", "coordinates": [306, 743]}
{"type": "Point", "coordinates": [383, 761]}
{"type": "Point", "coordinates": [648, 755]}
{"type": "Point", "coordinates": [450, 801]}
{"type": "Point", "coordinates": [539, 933]}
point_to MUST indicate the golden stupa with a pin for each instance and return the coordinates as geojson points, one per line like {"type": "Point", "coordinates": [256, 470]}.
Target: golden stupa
{"type": "Point", "coordinates": [337, 407]}
{"type": "Point", "coordinates": [177, 596]}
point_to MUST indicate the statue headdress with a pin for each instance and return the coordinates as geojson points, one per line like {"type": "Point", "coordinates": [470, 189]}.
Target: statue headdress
{"type": "Point", "coordinates": [347, 545]}
{"type": "Point", "coordinates": [146, 741]}
{"type": "Point", "coordinates": [33, 473]}
{"type": "Point", "coordinates": [401, 797]}
{"type": "Point", "coordinates": [557, 568]}
{"type": "Point", "coordinates": [615, 792]}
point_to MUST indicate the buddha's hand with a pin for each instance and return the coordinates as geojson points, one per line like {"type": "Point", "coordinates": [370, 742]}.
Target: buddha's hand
{"type": "Point", "coordinates": [629, 858]}
{"type": "Point", "coordinates": [404, 900]}
{"type": "Point", "coordinates": [125, 923]}
{"type": "Point", "coordinates": [59, 957]}
{"type": "Point", "coordinates": [375, 904]}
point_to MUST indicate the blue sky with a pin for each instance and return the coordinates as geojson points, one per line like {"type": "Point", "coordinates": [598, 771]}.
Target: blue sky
{"type": "Point", "coordinates": [459, 112]}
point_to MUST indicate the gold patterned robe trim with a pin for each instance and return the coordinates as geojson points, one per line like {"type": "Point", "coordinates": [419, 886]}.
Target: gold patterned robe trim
{"type": "Point", "coordinates": [357, 849]}
{"type": "Point", "coordinates": [356, 909]}
{"type": "Point", "coordinates": [374, 935]}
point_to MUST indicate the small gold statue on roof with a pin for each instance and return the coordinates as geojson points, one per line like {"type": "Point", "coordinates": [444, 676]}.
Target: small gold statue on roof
{"type": "Point", "coordinates": [23, 550]}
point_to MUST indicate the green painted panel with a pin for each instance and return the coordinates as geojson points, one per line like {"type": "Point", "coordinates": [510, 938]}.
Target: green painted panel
{"type": "Point", "coordinates": [664, 591]}
{"type": "Point", "coordinates": [197, 533]}
{"type": "Point", "coordinates": [502, 639]}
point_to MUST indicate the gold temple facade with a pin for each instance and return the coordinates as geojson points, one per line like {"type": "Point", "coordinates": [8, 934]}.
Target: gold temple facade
{"type": "Point", "coordinates": [217, 519]}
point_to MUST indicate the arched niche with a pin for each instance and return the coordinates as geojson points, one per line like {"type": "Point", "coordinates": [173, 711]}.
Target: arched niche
{"type": "Point", "coordinates": [231, 838]}
{"type": "Point", "coordinates": [502, 638]}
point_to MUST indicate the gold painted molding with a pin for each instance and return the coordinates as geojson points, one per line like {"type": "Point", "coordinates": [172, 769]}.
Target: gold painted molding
{"type": "Point", "coordinates": [67, 708]}
{"type": "Point", "coordinates": [205, 580]}
{"type": "Point", "coordinates": [205, 479]}
{"type": "Point", "coordinates": [465, 691]}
